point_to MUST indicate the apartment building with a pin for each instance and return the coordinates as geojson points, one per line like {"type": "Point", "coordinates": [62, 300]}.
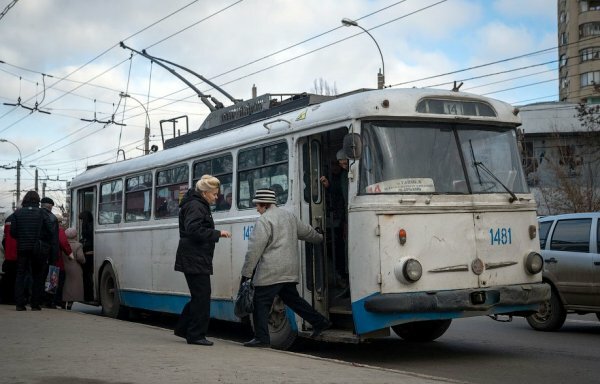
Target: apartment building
{"type": "Point", "coordinates": [579, 50]}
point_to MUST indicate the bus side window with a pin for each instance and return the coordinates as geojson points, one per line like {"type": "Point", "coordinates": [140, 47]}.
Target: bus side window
{"type": "Point", "coordinates": [111, 202]}
{"type": "Point", "coordinates": [222, 168]}
{"type": "Point", "coordinates": [263, 167]}
{"type": "Point", "coordinates": [171, 185]}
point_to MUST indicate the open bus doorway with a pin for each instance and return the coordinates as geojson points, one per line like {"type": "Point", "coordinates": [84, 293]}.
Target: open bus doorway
{"type": "Point", "coordinates": [324, 205]}
{"type": "Point", "coordinates": [84, 217]}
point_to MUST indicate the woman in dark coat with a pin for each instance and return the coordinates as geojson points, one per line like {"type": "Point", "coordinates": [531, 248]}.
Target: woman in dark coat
{"type": "Point", "coordinates": [197, 238]}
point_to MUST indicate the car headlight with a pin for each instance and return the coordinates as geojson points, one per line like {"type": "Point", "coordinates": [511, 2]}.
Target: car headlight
{"type": "Point", "coordinates": [534, 263]}
{"type": "Point", "coordinates": [408, 270]}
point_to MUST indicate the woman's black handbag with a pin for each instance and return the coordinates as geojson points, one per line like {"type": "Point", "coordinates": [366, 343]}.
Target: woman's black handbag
{"type": "Point", "coordinates": [244, 301]}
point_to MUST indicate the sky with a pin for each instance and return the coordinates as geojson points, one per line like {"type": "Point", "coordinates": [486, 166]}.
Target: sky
{"type": "Point", "coordinates": [63, 57]}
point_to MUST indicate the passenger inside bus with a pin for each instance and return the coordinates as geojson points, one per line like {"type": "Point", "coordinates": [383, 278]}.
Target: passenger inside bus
{"type": "Point", "coordinates": [280, 193]}
{"type": "Point", "coordinates": [87, 242]}
{"type": "Point", "coordinates": [337, 196]}
{"type": "Point", "coordinates": [224, 202]}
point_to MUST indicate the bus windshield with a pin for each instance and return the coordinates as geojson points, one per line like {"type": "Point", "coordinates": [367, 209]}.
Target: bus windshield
{"type": "Point", "coordinates": [439, 158]}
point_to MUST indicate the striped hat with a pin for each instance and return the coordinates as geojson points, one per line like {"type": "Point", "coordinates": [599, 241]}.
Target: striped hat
{"type": "Point", "coordinates": [265, 196]}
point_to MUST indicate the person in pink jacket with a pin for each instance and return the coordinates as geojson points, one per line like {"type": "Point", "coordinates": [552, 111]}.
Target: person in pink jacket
{"type": "Point", "coordinates": [73, 288]}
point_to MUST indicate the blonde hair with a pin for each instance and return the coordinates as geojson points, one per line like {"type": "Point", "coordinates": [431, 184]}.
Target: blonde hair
{"type": "Point", "coordinates": [207, 183]}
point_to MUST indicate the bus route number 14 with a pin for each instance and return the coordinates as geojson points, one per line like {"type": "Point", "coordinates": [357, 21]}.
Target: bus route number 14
{"type": "Point", "coordinates": [247, 231]}
{"type": "Point", "coordinates": [500, 236]}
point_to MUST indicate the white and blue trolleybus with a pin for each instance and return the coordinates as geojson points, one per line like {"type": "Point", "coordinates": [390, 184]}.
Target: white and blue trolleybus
{"type": "Point", "coordinates": [434, 220]}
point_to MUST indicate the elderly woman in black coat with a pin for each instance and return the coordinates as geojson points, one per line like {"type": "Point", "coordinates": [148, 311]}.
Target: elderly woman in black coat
{"type": "Point", "coordinates": [197, 238]}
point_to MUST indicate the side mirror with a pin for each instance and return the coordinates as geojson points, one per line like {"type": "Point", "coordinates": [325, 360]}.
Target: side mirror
{"type": "Point", "coordinates": [353, 146]}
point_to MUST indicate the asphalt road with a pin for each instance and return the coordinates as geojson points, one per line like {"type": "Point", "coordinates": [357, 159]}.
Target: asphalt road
{"type": "Point", "coordinates": [480, 350]}
{"type": "Point", "coordinates": [474, 350]}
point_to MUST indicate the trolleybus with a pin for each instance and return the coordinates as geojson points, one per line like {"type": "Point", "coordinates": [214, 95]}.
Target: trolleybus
{"type": "Point", "coordinates": [439, 223]}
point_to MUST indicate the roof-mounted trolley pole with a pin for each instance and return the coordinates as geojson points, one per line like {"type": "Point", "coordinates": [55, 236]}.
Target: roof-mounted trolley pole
{"type": "Point", "coordinates": [202, 96]}
{"type": "Point", "coordinates": [215, 86]}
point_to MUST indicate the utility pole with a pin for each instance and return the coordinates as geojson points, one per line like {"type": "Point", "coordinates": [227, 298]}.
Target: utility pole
{"type": "Point", "coordinates": [18, 180]}
{"type": "Point", "coordinates": [36, 180]}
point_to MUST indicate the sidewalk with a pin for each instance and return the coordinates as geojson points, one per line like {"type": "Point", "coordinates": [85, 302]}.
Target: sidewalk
{"type": "Point", "coordinates": [62, 347]}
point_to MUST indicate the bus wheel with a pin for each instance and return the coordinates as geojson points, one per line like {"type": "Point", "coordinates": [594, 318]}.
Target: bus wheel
{"type": "Point", "coordinates": [109, 295]}
{"type": "Point", "coordinates": [550, 316]}
{"type": "Point", "coordinates": [422, 330]}
{"type": "Point", "coordinates": [280, 330]}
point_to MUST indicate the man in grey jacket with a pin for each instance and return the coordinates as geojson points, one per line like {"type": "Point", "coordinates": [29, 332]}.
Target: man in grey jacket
{"type": "Point", "coordinates": [273, 251]}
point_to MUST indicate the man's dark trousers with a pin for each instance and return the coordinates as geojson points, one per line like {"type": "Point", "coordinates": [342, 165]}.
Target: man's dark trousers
{"type": "Point", "coordinates": [263, 300]}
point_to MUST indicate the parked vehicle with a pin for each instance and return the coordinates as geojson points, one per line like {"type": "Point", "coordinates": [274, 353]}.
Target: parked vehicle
{"type": "Point", "coordinates": [570, 246]}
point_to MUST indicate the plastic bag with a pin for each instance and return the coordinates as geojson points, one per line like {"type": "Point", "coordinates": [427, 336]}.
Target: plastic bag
{"type": "Point", "coordinates": [244, 301]}
{"type": "Point", "coordinates": [52, 279]}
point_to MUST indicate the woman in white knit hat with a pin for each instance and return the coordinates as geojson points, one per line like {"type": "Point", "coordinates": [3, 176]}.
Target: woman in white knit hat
{"type": "Point", "coordinates": [197, 239]}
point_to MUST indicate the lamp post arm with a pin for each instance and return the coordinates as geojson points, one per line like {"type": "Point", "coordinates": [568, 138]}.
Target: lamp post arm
{"type": "Point", "coordinates": [379, 49]}
{"type": "Point", "coordinates": [14, 145]}
{"type": "Point", "coordinates": [18, 168]}
{"type": "Point", "coordinates": [147, 129]}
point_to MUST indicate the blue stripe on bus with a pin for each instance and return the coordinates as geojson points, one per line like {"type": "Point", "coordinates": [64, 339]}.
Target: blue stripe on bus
{"type": "Point", "coordinates": [161, 302]}
{"type": "Point", "coordinates": [365, 322]}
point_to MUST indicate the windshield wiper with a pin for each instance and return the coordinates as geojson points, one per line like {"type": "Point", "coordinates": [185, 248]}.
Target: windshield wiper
{"type": "Point", "coordinates": [479, 164]}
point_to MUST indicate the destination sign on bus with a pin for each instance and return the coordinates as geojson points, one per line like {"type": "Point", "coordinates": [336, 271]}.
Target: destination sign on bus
{"type": "Point", "coordinates": [417, 185]}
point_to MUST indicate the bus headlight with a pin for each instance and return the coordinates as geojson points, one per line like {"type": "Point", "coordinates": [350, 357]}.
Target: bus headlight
{"type": "Point", "coordinates": [408, 270]}
{"type": "Point", "coordinates": [534, 263]}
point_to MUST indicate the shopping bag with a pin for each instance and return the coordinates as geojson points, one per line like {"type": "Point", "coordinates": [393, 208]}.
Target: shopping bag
{"type": "Point", "coordinates": [244, 301]}
{"type": "Point", "coordinates": [52, 279]}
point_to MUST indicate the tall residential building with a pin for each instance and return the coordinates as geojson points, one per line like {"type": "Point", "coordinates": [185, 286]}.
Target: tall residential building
{"type": "Point", "coordinates": [579, 50]}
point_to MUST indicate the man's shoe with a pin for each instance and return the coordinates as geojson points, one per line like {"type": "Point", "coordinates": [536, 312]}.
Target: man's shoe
{"type": "Point", "coordinates": [21, 308]}
{"type": "Point", "coordinates": [36, 308]}
{"type": "Point", "coordinates": [318, 329]}
{"type": "Point", "coordinates": [204, 342]}
{"type": "Point", "coordinates": [255, 343]}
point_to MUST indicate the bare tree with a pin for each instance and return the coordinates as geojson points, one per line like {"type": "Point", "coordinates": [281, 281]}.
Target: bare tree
{"type": "Point", "coordinates": [322, 87]}
{"type": "Point", "coordinates": [569, 179]}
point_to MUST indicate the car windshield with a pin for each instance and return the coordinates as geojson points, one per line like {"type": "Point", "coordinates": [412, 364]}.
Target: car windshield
{"type": "Point", "coordinates": [439, 158]}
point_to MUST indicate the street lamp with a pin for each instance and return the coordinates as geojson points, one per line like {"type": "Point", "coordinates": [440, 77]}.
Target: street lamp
{"type": "Point", "coordinates": [381, 75]}
{"type": "Point", "coordinates": [147, 129]}
{"type": "Point", "coordinates": [18, 168]}
{"type": "Point", "coordinates": [36, 179]}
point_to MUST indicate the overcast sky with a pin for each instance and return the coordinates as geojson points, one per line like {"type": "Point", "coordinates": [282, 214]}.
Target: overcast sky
{"type": "Point", "coordinates": [281, 46]}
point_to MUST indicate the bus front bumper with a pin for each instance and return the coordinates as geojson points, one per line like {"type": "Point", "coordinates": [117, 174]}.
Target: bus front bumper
{"type": "Point", "coordinates": [472, 299]}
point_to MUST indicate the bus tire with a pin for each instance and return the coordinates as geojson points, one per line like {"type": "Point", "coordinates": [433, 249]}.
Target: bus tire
{"type": "Point", "coordinates": [550, 316]}
{"type": "Point", "coordinates": [422, 330]}
{"type": "Point", "coordinates": [280, 330]}
{"type": "Point", "coordinates": [110, 298]}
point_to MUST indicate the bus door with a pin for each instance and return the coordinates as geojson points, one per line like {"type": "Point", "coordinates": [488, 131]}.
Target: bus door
{"type": "Point", "coordinates": [85, 219]}
{"type": "Point", "coordinates": [313, 212]}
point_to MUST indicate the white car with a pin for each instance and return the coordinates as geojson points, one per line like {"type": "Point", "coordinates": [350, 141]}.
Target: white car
{"type": "Point", "coordinates": [570, 246]}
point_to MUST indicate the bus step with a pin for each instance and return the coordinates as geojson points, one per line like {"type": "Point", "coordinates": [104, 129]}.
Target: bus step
{"type": "Point", "coordinates": [341, 310]}
{"type": "Point", "coordinates": [333, 335]}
